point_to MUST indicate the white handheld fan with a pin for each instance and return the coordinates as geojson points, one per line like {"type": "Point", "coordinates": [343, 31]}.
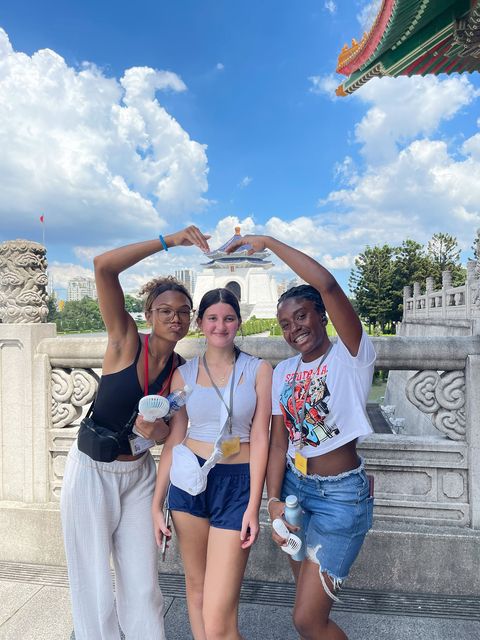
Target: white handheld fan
{"type": "Point", "coordinates": [153, 407]}
{"type": "Point", "coordinates": [293, 543]}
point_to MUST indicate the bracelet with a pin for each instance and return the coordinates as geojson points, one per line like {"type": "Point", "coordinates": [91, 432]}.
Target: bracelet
{"type": "Point", "coordinates": [162, 240]}
{"type": "Point", "coordinates": [270, 500]}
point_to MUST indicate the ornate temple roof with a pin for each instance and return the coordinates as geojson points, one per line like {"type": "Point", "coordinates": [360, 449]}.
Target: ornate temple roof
{"type": "Point", "coordinates": [219, 259]}
{"type": "Point", "coordinates": [414, 37]}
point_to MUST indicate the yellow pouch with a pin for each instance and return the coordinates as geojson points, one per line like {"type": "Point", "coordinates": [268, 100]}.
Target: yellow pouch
{"type": "Point", "coordinates": [230, 447]}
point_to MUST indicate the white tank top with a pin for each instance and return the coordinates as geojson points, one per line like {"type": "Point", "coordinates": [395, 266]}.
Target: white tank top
{"type": "Point", "coordinates": [204, 405]}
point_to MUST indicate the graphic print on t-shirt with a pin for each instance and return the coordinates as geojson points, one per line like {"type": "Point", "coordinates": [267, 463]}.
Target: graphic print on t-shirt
{"type": "Point", "coordinates": [316, 396]}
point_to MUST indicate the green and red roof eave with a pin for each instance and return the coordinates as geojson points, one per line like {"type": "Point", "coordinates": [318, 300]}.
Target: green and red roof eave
{"type": "Point", "coordinates": [414, 37]}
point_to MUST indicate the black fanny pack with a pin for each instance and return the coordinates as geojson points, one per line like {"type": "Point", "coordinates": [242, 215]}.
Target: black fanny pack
{"type": "Point", "coordinates": [103, 444]}
{"type": "Point", "coordinates": [99, 443]}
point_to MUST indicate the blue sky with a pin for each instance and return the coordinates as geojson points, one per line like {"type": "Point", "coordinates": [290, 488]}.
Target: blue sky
{"type": "Point", "coordinates": [121, 120]}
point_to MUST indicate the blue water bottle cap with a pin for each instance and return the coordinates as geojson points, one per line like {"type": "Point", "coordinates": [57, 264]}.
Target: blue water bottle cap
{"type": "Point", "coordinates": [291, 501]}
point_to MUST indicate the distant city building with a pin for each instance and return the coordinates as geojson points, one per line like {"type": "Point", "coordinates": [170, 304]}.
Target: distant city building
{"type": "Point", "coordinates": [288, 284]}
{"type": "Point", "coordinates": [245, 275]}
{"type": "Point", "coordinates": [188, 278]}
{"type": "Point", "coordinates": [79, 288]}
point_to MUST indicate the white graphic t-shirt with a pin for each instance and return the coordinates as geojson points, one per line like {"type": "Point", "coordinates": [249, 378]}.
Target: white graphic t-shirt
{"type": "Point", "coordinates": [335, 396]}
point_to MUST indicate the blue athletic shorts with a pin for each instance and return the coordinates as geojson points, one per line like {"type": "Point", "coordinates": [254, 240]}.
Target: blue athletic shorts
{"type": "Point", "coordinates": [338, 512]}
{"type": "Point", "coordinates": [223, 502]}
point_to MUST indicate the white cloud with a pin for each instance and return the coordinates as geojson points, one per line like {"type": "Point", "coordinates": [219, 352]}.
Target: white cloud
{"type": "Point", "coordinates": [404, 108]}
{"type": "Point", "coordinates": [339, 262]}
{"type": "Point", "coordinates": [134, 278]}
{"type": "Point", "coordinates": [410, 186]}
{"type": "Point", "coordinates": [424, 189]}
{"type": "Point", "coordinates": [324, 85]}
{"type": "Point", "coordinates": [330, 6]}
{"type": "Point", "coordinates": [225, 228]}
{"type": "Point", "coordinates": [368, 13]}
{"type": "Point", "coordinates": [99, 156]}
{"type": "Point", "coordinates": [61, 273]}
{"type": "Point", "coordinates": [244, 182]}
{"type": "Point", "coordinates": [219, 66]}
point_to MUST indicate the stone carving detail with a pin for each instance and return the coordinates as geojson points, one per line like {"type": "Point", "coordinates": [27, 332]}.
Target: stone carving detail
{"type": "Point", "coordinates": [442, 395]}
{"type": "Point", "coordinates": [23, 282]}
{"type": "Point", "coordinates": [453, 485]}
{"type": "Point", "coordinates": [476, 296]}
{"type": "Point", "coordinates": [72, 389]}
{"type": "Point", "coordinates": [466, 35]}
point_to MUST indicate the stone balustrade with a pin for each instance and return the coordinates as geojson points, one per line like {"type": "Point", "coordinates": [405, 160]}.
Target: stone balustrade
{"type": "Point", "coordinates": [448, 303]}
{"type": "Point", "coordinates": [430, 483]}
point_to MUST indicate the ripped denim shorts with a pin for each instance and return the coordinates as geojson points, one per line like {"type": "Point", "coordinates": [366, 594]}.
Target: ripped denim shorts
{"type": "Point", "coordinates": [338, 512]}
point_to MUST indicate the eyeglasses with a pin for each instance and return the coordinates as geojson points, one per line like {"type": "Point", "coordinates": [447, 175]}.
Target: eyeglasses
{"type": "Point", "coordinates": [166, 314]}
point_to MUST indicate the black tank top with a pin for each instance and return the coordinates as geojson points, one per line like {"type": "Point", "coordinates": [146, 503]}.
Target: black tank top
{"type": "Point", "coordinates": [118, 394]}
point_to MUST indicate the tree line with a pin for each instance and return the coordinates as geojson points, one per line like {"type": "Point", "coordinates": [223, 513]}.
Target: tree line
{"type": "Point", "coordinates": [381, 272]}
{"type": "Point", "coordinates": [376, 283]}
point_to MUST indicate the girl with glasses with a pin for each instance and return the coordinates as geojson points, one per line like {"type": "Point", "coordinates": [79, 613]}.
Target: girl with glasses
{"type": "Point", "coordinates": [217, 527]}
{"type": "Point", "coordinates": [318, 405]}
{"type": "Point", "coordinates": [106, 506]}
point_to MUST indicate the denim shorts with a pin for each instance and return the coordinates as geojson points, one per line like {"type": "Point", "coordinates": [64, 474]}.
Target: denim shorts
{"type": "Point", "coordinates": [338, 512]}
{"type": "Point", "coordinates": [223, 502]}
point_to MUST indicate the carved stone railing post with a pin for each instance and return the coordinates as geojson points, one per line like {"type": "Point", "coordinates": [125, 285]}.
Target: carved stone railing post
{"type": "Point", "coordinates": [23, 282]}
{"type": "Point", "coordinates": [446, 284]}
{"type": "Point", "coordinates": [24, 392]}
{"type": "Point", "coordinates": [416, 294]}
{"type": "Point", "coordinates": [471, 270]}
{"type": "Point", "coordinates": [407, 293]}
{"type": "Point", "coordinates": [472, 378]}
{"type": "Point", "coordinates": [429, 287]}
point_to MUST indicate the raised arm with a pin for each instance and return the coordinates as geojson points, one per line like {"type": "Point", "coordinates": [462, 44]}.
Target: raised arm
{"type": "Point", "coordinates": [109, 265]}
{"type": "Point", "coordinates": [338, 306]}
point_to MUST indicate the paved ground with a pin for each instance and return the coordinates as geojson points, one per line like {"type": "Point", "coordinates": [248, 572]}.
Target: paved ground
{"type": "Point", "coordinates": [34, 605]}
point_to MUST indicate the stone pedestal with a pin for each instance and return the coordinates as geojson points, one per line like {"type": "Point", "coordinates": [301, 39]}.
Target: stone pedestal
{"type": "Point", "coordinates": [24, 389]}
{"type": "Point", "coordinates": [27, 520]}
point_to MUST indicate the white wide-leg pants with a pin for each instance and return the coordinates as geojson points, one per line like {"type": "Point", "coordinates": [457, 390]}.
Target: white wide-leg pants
{"type": "Point", "coordinates": [106, 511]}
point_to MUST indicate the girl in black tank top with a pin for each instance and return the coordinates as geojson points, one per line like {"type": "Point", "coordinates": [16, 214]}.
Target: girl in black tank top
{"type": "Point", "coordinates": [106, 506]}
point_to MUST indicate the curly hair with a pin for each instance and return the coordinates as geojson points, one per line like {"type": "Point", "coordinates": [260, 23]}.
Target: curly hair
{"type": "Point", "coordinates": [305, 292]}
{"type": "Point", "coordinates": [155, 287]}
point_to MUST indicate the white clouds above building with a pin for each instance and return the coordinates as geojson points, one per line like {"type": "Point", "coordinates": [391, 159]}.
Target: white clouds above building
{"type": "Point", "coordinates": [93, 153]}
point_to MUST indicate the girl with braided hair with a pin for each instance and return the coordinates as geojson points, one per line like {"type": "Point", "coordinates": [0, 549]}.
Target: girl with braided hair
{"type": "Point", "coordinates": [318, 407]}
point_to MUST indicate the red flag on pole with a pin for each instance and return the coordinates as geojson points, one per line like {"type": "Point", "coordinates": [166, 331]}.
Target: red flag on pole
{"type": "Point", "coordinates": [42, 218]}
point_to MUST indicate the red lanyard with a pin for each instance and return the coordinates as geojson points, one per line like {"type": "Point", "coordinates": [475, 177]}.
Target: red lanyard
{"type": "Point", "coordinates": [145, 384]}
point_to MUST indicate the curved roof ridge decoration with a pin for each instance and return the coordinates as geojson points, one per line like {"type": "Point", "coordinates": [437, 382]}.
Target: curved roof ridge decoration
{"type": "Point", "coordinates": [351, 58]}
{"type": "Point", "coordinates": [422, 37]}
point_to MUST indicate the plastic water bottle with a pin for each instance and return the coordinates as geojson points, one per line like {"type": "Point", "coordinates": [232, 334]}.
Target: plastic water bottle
{"type": "Point", "coordinates": [177, 399]}
{"type": "Point", "coordinates": [294, 515]}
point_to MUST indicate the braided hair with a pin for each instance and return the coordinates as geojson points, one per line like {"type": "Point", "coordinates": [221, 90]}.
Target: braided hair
{"type": "Point", "coordinates": [305, 292]}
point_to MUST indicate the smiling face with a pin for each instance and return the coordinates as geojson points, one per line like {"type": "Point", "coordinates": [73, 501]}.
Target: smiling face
{"type": "Point", "coordinates": [304, 327]}
{"type": "Point", "coordinates": [169, 315]}
{"type": "Point", "coordinates": [220, 324]}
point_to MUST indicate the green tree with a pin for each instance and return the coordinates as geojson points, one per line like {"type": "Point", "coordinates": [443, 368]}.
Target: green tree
{"type": "Point", "coordinates": [411, 264]}
{"type": "Point", "coordinates": [81, 315]}
{"type": "Point", "coordinates": [371, 283]}
{"type": "Point", "coordinates": [443, 253]}
{"type": "Point", "coordinates": [52, 305]}
{"type": "Point", "coordinates": [476, 246]}
{"type": "Point", "coordinates": [133, 304]}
